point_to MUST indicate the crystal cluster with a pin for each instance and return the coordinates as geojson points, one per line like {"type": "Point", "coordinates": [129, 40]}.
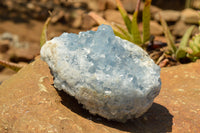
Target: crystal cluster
{"type": "Point", "coordinates": [111, 77]}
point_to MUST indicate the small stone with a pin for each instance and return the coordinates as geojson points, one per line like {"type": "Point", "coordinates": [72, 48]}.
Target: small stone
{"type": "Point", "coordinates": [88, 22]}
{"type": "Point", "coordinates": [111, 4]}
{"type": "Point", "coordinates": [101, 5]}
{"type": "Point", "coordinates": [23, 54]}
{"type": "Point", "coordinates": [155, 28]}
{"type": "Point", "coordinates": [154, 10]}
{"type": "Point", "coordinates": [77, 18]}
{"type": "Point", "coordinates": [179, 28]}
{"type": "Point", "coordinates": [190, 16]}
{"type": "Point", "coordinates": [4, 46]}
{"type": "Point", "coordinates": [129, 5]}
{"type": "Point", "coordinates": [111, 77]}
{"type": "Point", "coordinates": [196, 4]}
{"type": "Point", "coordinates": [114, 16]}
{"type": "Point", "coordinates": [58, 16]}
{"type": "Point", "coordinates": [96, 5]}
{"type": "Point", "coordinates": [168, 15]}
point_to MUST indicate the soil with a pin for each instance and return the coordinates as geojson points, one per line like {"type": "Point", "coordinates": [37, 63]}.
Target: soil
{"type": "Point", "coordinates": [30, 32]}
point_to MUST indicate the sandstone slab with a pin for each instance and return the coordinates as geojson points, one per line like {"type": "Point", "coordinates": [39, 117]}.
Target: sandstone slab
{"type": "Point", "coordinates": [30, 103]}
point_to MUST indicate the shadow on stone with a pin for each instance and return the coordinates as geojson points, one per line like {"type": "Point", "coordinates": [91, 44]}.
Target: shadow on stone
{"type": "Point", "coordinates": [156, 120]}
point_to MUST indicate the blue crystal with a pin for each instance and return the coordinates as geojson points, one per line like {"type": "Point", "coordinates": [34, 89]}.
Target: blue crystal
{"type": "Point", "coordinates": [111, 77]}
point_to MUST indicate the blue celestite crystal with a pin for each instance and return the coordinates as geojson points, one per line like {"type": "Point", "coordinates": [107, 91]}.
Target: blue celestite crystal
{"type": "Point", "coordinates": [111, 77]}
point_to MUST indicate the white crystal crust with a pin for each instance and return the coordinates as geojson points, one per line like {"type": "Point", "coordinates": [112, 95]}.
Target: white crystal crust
{"type": "Point", "coordinates": [111, 77]}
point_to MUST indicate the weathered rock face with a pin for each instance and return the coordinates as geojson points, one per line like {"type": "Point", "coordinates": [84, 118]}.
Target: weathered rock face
{"type": "Point", "coordinates": [30, 103]}
{"type": "Point", "coordinates": [181, 95]}
{"type": "Point", "coordinates": [110, 76]}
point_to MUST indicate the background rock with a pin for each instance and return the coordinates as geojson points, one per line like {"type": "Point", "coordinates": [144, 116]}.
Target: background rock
{"type": "Point", "coordinates": [196, 4]}
{"type": "Point", "coordinates": [168, 15]}
{"type": "Point", "coordinates": [111, 4]}
{"type": "Point", "coordinates": [155, 28]}
{"type": "Point", "coordinates": [4, 46]}
{"type": "Point", "coordinates": [113, 16]}
{"type": "Point", "coordinates": [129, 5]}
{"type": "Point", "coordinates": [190, 16]}
{"type": "Point", "coordinates": [87, 22]}
{"type": "Point", "coordinates": [76, 17]}
{"type": "Point", "coordinates": [179, 28]}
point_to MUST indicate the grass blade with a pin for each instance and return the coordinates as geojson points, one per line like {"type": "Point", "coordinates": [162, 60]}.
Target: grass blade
{"type": "Point", "coordinates": [120, 35]}
{"type": "Point", "coordinates": [13, 66]}
{"type": "Point", "coordinates": [146, 21]}
{"type": "Point", "coordinates": [135, 30]}
{"type": "Point", "coordinates": [185, 38]}
{"type": "Point", "coordinates": [126, 33]}
{"type": "Point", "coordinates": [101, 21]}
{"type": "Point", "coordinates": [134, 26]}
{"type": "Point", "coordinates": [98, 19]}
{"type": "Point", "coordinates": [124, 15]}
{"type": "Point", "coordinates": [181, 53]}
{"type": "Point", "coordinates": [168, 35]}
{"type": "Point", "coordinates": [43, 37]}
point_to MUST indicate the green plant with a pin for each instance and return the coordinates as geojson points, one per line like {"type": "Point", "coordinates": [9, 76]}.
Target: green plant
{"type": "Point", "coordinates": [13, 66]}
{"type": "Point", "coordinates": [191, 51]}
{"type": "Point", "coordinates": [131, 33]}
{"type": "Point", "coordinates": [43, 37]}
{"type": "Point", "coordinates": [187, 3]}
{"type": "Point", "coordinates": [194, 45]}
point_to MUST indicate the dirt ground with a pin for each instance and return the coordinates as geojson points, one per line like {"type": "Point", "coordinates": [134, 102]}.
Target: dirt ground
{"type": "Point", "coordinates": [30, 32]}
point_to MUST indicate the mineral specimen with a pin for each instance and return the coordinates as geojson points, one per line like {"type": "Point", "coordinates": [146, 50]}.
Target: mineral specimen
{"type": "Point", "coordinates": [110, 76]}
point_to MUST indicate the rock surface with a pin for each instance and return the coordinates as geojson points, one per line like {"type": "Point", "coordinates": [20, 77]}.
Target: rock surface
{"type": "Point", "coordinates": [30, 103]}
{"type": "Point", "coordinates": [110, 76]}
